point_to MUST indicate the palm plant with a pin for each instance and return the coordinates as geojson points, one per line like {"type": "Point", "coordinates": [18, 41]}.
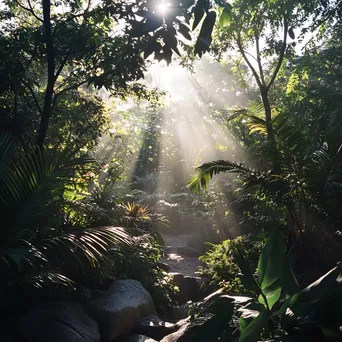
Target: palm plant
{"type": "Point", "coordinates": [307, 186]}
{"type": "Point", "coordinates": [37, 248]}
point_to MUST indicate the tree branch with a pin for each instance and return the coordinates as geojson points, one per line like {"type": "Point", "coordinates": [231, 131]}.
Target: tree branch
{"type": "Point", "coordinates": [281, 56]}
{"type": "Point", "coordinates": [243, 53]}
{"type": "Point", "coordinates": [34, 98]}
{"type": "Point", "coordinates": [62, 65]}
{"type": "Point", "coordinates": [30, 10]}
{"type": "Point", "coordinates": [261, 71]}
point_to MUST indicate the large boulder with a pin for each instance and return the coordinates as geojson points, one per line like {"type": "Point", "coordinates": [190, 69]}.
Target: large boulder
{"type": "Point", "coordinates": [121, 309]}
{"type": "Point", "coordinates": [57, 322]}
{"type": "Point", "coordinates": [156, 328]}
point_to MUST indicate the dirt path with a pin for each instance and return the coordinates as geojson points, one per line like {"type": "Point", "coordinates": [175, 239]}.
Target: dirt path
{"type": "Point", "coordinates": [180, 263]}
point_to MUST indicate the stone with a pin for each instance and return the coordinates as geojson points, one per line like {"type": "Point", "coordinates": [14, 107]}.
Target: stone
{"type": "Point", "coordinates": [56, 322]}
{"type": "Point", "coordinates": [188, 251]}
{"type": "Point", "coordinates": [180, 311]}
{"type": "Point", "coordinates": [164, 266]}
{"type": "Point", "coordinates": [156, 328]}
{"type": "Point", "coordinates": [189, 288]}
{"type": "Point", "coordinates": [121, 310]}
{"type": "Point", "coordinates": [134, 338]}
{"type": "Point", "coordinates": [182, 335]}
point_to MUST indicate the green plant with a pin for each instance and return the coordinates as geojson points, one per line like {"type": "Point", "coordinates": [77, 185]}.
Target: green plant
{"type": "Point", "coordinates": [278, 309]}
{"type": "Point", "coordinates": [219, 267]}
{"type": "Point", "coordinates": [37, 248]}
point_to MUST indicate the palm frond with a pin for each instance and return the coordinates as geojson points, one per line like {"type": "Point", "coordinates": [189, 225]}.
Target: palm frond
{"type": "Point", "coordinates": [203, 174]}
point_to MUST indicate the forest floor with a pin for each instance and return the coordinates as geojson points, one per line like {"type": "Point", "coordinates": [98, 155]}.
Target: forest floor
{"type": "Point", "coordinates": [176, 261]}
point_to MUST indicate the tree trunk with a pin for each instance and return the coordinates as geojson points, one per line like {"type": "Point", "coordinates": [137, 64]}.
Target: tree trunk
{"type": "Point", "coordinates": [46, 112]}
{"type": "Point", "coordinates": [270, 131]}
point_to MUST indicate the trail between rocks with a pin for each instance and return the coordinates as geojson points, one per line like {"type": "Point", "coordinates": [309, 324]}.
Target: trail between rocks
{"type": "Point", "coordinates": [177, 262]}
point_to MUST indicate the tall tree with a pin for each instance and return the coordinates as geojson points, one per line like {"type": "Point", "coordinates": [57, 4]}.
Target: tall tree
{"type": "Point", "coordinates": [262, 32]}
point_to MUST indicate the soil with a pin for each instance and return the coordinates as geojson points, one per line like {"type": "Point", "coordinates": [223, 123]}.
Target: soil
{"type": "Point", "coordinates": [186, 265]}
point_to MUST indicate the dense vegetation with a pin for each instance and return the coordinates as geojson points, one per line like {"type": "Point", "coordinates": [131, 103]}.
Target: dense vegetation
{"type": "Point", "coordinates": [95, 158]}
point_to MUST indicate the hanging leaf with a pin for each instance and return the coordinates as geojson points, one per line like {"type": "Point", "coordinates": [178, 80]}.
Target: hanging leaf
{"type": "Point", "coordinates": [199, 13]}
{"type": "Point", "coordinates": [291, 33]}
{"type": "Point", "coordinates": [185, 31]}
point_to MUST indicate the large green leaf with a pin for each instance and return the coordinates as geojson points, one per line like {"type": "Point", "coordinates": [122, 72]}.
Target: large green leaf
{"type": "Point", "coordinates": [271, 293]}
{"type": "Point", "coordinates": [252, 332]}
{"type": "Point", "coordinates": [247, 278]}
{"type": "Point", "coordinates": [271, 261]}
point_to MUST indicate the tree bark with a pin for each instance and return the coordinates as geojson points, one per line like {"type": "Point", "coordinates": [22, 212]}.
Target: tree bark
{"type": "Point", "coordinates": [270, 131]}
{"type": "Point", "coordinates": [47, 108]}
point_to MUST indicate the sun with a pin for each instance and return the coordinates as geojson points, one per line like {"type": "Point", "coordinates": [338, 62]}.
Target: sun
{"type": "Point", "coordinates": [163, 8]}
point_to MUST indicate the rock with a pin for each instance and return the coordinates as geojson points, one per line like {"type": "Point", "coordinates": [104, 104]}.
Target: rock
{"type": "Point", "coordinates": [180, 311]}
{"type": "Point", "coordinates": [182, 335]}
{"type": "Point", "coordinates": [154, 327]}
{"type": "Point", "coordinates": [164, 266]}
{"type": "Point", "coordinates": [189, 288]}
{"type": "Point", "coordinates": [134, 338]}
{"type": "Point", "coordinates": [120, 311]}
{"type": "Point", "coordinates": [56, 322]}
{"type": "Point", "coordinates": [188, 251]}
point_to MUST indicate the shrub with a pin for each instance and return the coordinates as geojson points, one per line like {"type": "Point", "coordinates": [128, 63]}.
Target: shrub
{"type": "Point", "coordinates": [220, 268]}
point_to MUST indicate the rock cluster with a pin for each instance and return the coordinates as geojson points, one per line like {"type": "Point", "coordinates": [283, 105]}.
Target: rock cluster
{"type": "Point", "coordinates": [123, 313]}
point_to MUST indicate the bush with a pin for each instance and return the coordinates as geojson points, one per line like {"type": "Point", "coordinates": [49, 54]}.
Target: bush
{"type": "Point", "coordinates": [220, 268]}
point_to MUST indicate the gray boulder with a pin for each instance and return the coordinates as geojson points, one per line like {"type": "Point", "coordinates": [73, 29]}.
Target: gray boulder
{"type": "Point", "coordinates": [59, 322]}
{"type": "Point", "coordinates": [120, 311]}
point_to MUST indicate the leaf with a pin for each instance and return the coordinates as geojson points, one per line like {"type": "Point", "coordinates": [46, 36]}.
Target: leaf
{"type": "Point", "coordinates": [204, 39]}
{"type": "Point", "coordinates": [271, 261]}
{"type": "Point", "coordinates": [185, 31]}
{"type": "Point", "coordinates": [320, 303]}
{"type": "Point", "coordinates": [253, 331]}
{"type": "Point", "coordinates": [170, 41]}
{"type": "Point", "coordinates": [291, 33]}
{"type": "Point", "coordinates": [225, 16]}
{"type": "Point", "coordinates": [272, 294]}
{"type": "Point", "coordinates": [151, 47]}
{"type": "Point", "coordinates": [199, 13]}
{"type": "Point", "coordinates": [247, 279]}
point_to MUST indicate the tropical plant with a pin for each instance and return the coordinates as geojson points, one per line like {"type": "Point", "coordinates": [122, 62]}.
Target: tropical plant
{"type": "Point", "coordinates": [279, 309]}
{"type": "Point", "coordinates": [37, 247]}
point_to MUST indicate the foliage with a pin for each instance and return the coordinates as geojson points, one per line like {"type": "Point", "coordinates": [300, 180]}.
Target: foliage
{"type": "Point", "coordinates": [302, 315]}
{"type": "Point", "coordinates": [38, 249]}
{"type": "Point", "coordinates": [219, 266]}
